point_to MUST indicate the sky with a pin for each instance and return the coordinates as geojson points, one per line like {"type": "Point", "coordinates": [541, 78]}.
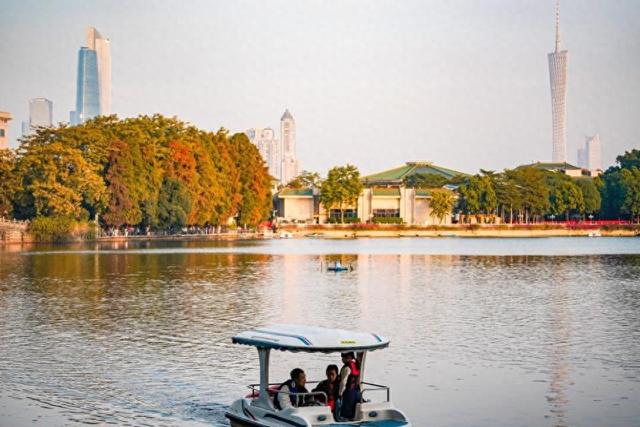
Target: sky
{"type": "Point", "coordinates": [461, 83]}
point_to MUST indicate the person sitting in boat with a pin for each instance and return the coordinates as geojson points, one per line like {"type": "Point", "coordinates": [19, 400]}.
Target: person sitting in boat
{"type": "Point", "coordinates": [349, 390]}
{"type": "Point", "coordinates": [338, 264]}
{"type": "Point", "coordinates": [288, 391]}
{"type": "Point", "coordinates": [330, 387]}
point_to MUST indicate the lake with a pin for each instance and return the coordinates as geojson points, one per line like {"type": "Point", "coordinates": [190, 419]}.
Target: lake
{"type": "Point", "coordinates": [484, 332]}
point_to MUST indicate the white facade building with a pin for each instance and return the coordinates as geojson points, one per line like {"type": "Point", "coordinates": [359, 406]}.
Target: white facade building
{"type": "Point", "coordinates": [290, 165]}
{"type": "Point", "coordinates": [40, 115]}
{"type": "Point", "coordinates": [558, 79]}
{"type": "Point", "coordinates": [591, 154]}
{"type": "Point", "coordinates": [269, 148]}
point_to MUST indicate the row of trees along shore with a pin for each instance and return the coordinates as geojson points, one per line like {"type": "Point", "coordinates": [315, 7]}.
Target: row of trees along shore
{"type": "Point", "coordinates": [529, 194]}
{"type": "Point", "coordinates": [526, 194]}
{"type": "Point", "coordinates": [155, 173]}
{"type": "Point", "coordinates": [158, 173]}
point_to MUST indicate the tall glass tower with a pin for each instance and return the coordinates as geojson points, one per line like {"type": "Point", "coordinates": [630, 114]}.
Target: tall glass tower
{"type": "Point", "coordinates": [88, 90]}
{"type": "Point", "coordinates": [93, 90]}
{"type": "Point", "coordinates": [558, 78]}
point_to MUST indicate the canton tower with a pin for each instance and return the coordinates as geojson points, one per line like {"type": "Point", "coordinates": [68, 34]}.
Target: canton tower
{"type": "Point", "coordinates": [558, 78]}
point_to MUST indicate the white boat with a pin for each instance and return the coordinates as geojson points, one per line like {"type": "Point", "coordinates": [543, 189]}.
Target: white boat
{"type": "Point", "coordinates": [286, 235]}
{"type": "Point", "coordinates": [595, 233]}
{"type": "Point", "coordinates": [257, 409]}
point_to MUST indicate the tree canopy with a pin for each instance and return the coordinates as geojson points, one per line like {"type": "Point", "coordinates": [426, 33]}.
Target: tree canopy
{"type": "Point", "coordinates": [150, 171]}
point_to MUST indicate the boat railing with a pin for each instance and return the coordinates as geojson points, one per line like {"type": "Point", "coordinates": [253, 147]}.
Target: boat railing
{"type": "Point", "coordinates": [301, 398]}
{"type": "Point", "coordinates": [366, 387]}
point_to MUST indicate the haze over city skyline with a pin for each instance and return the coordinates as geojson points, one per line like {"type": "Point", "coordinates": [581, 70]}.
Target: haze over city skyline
{"type": "Point", "coordinates": [463, 84]}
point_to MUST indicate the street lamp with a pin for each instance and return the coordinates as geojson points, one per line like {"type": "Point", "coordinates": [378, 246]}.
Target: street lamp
{"type": "Point", "coordinates": [553, 217]}
{"type": "Point", "coordinates": [591, 218]}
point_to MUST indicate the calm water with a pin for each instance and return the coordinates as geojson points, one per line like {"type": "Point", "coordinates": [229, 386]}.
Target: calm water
{"type": "Point", "coordinates": [139, 334]}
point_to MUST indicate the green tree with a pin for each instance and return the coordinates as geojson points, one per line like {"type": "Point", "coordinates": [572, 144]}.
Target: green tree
{"type": "Point", "coordinates": [174, 205]}
{"type": "Point", "coordinates": [630, 179]}
{"type": "Point", "coordinates": [57, 180]}
{"type": "Point", "coordinates": [425, 180]}
{"type": "Point", "coordinates": [442, 202]}
{"type": "Point", "coordinates": [8, 182]}
{"type": "Point", "coordinates": [630, 159]}
{"type": "Point", "coordinates": [123, 207]}
{"type": "Point", "coordinates": [565, 197]}
{"type": "Point", "coordinates": [306, 179]}
{"type": "Point", "coordinates": [590, 195]}
{"type": "Point", "coordinates": [341, 188]}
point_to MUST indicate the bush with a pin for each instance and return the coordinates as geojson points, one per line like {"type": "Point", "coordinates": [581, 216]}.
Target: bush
{"type": "Point", "coordinates": [58, 229]}
{"type": "Point", "coordinates": [387, 220]}
{"type": "Point", "coordinates": [347, 220]}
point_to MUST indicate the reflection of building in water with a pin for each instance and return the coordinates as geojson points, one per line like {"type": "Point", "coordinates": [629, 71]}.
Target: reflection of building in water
{"type": "Point", "coordinates": [560, 343]}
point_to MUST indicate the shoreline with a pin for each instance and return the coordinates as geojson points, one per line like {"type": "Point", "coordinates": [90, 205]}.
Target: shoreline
{"type": "Point", "coordinates": [365, 231]}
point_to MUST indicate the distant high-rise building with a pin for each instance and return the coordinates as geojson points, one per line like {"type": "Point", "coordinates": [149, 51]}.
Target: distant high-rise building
{"type": "Point", "coordinates": [288, 140]}
{"type": "Point", "coordinates": [582, 158]}
{"type": "Point", "coordinates": [269, 148]}
{"type": "Point", "coordinates": [88, 91]}
{"type": "Point", "coordinates": [590, 156]}
{"type": "Point", "coordinates": [93, 91]}
{"type": "Point", "coordinates": [102, 46]}
{"type": "Point", "coordinates": [558, 78]}
{"type": "Point", "coordinates": [40, 115]}
{"type": "Point", "coordinates": [4, 129]}
{"type": "Point", "coordinates": [594, 152]}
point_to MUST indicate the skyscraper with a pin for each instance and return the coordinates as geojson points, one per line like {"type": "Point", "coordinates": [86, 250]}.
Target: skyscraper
{"type": "Point", "coordinates": [590, 156]}
{"type": "Point", "coordinates": [93, 91]}
{"type": "Point", "coordinates": [558, 78]}
{"type": "Point", "coordinates": [87, 91]}
{"type": "Point", "coordinates": [288, 141]}
{"type": "Point", "coordinates": [593, 152]}
{"type": "Point", "coordinates": [40, 114]}
{"type": "Point", "coordinates": [102, 46]}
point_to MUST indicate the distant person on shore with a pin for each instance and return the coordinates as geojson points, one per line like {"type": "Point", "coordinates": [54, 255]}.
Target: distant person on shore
{"type": "Point", "coordinates": [349, 390]}
{"type": "Point", "coordinates": [330, 386]}
{"type": "Point", "coordinates": [288, 391]}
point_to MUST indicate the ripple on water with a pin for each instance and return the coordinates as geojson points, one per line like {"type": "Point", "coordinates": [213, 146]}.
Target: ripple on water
{"type": "Point", "coordinates": [142, 337]}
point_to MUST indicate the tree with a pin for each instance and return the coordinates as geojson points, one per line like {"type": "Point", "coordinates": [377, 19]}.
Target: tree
{"type": "Point", "coordinates": [57, 180]}
{"type": "Point", "coordinates": [629, 160]}
{"type": "Point", "coordinates": [256, 200]}
{"type": "Point", "coordinates": [590, 195]}
{"type": "Point", "coordinates": [123, 207]}
{"type": "Point", "coordinates": [478, 196]}
{"type": "Point", "coordinates": [342, 187]}
{"type": "Point", "coordinates": [174, 204]}
{"type": "Point", "coordinates": [630, 179]}
{"type": "Point", "coordinates": [425, 180]}
{"type": "Point", "coordinates": [8, 182]}
{"type": "Point", "coordinates": [442, 202]}
{"type": "Point", "coordinates": [565, 196]}
{"type": "Point", "coordinates": [306, 179]}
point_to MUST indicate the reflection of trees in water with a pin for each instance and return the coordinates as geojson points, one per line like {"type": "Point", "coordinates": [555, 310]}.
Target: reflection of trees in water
{"type": "Point", "coordinates": [102, 290]}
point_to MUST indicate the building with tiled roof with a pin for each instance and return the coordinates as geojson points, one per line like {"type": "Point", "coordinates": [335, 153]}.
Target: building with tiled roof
{"type": "Point", "coordinates": [395, 176]}
{"type": "Point", "coordinates": [384, 196]}
{"type": "Point", "coordinates": [562, 167]}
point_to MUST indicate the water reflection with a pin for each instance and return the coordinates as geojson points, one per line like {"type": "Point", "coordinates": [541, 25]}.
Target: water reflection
{"type": "Point", "coordinates": [143, 336]}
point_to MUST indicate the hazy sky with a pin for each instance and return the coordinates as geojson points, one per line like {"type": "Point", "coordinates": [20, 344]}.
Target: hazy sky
{"type": "Point", "coordinates": [463, 83]}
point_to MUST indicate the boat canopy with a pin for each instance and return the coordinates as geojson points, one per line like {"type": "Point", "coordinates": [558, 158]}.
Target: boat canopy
{"type": "Point", "coordinates": [310, 339]}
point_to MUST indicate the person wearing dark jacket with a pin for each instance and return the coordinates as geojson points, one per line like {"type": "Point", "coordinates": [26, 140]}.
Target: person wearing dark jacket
{"type": "Point", "coordinates": [288, 391]}
{"type": "Point", "coordinates": [330, 386]}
